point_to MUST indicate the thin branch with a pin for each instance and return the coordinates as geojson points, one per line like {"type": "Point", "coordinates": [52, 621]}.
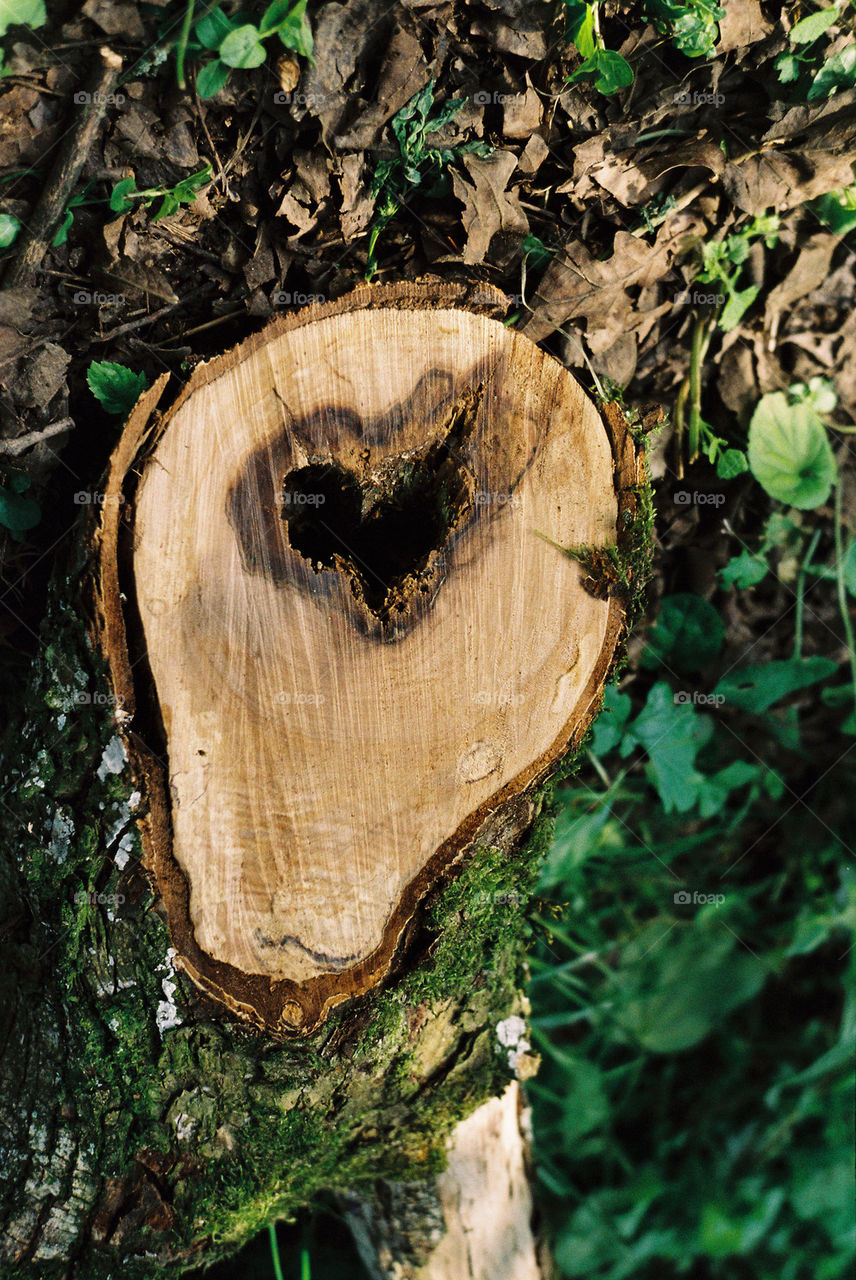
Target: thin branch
{"type": "Point", "coordinates": [66, 171]}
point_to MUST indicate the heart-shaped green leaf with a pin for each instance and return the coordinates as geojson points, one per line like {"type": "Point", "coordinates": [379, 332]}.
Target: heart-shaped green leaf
{"type": "Point", "coordinates": [789, 452]}
{"type": "Point", "coordinates": [243, 48]}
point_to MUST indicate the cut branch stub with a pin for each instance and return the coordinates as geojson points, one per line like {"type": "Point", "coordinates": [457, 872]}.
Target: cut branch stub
{"type": "Point", "coordinates": [344, 634]}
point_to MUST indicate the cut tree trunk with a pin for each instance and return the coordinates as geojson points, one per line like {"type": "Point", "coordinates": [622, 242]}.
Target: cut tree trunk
{"type": "Point", "coordinates": [349, 601]}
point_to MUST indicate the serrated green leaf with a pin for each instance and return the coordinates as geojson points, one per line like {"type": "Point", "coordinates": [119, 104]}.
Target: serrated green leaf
{"type": "Point", "coordinates": [243, 48]}
{"type": "Point", "coordinates": [788, 67]}
{"type": "Point", "coordinates": [756, 688]}
{"type": "Point", "coordinates": [115, 385]}
{"type": "Point", "coordinates": [789, 452]}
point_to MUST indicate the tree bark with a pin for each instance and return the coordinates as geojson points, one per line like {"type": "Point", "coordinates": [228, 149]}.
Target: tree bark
{"type": "Point", "coordinates": [151, 1119]}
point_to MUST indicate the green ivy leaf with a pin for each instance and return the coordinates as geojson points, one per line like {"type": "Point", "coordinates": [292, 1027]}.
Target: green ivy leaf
{"type": "Point", "coordinates": [26, 13]}
{"type": "Point", "coordinates": [243, 48]}
{"type": "Point", "coordinates": [757, 688]}
{"type": "Point", "coordinates": [9, 228]}
{"type": "Point", "coordinates": [579, 26]}
{"type": "Point", "coordinates": [739, 302]}
{"type": "Point", "coordinates": [812, 27]}
{"type": "Point", "coordinates": [672, 733]}
{"type": "Point", "coordinates": [687, 635]}
{"type": "Point", "coordinates": [789, 452]}
{"type": "Point", "coordinates": [837, 72]}
{"type": "Point", "coordinates": [17, 513]}
{"type": "Point", "coordinates": [609, 726]}
{"type": "Point", "coordinates": [212, 28]}
{"type": "Point", "coordinates": [745, 570]}
{"type": "Point", "coordinates": [115, 385]}
{"type": "Point", "coordinates": [119, 202]}
{"type": "Point", "coordinates": [731, 463]}
{"type": "Point", "coordinates": [212, 78]}
{"type": "Point", "coordinates": [612, 72]}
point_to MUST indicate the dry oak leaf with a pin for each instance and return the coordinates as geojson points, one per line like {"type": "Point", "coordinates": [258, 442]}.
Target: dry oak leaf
{"type": "Point", "coordinates": [488, 207]}
{"type": "Point", "coordinates": [780, 182]}
{"type": "Point", "coordinates": [808, 273]}
{"type": "Point", "coordinates": [580, 287]}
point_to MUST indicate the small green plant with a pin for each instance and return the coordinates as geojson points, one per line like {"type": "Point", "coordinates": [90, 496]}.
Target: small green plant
{"type": "Point", "coordinates": [418, 163]}
{"type": "Point", "coordinates": [608, 69]}
{"type": "Point", "coordinates": [237, 44]}
{"type": "Point", "coordinates": [9, 228]}
{"type": "Point", "coordinates": [25, 13]}
{"type": "Point", "coordinates": [692, 26]}
{"type": "Point", "coordinates": [115, 386]}
{"type": "Point", "coordinates": [805, 66]}
{"type": "Point", "coordinates": [125, 193]}
{"type": "Point", "coordinates": [17, 513]}
{"type": "Point", "coordinates": [720, 263]}
{"type": "Point", "coordinates": [837, 209]}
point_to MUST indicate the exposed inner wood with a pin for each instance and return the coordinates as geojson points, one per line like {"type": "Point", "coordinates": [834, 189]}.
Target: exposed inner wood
{"type": "Point", "coordinates": [360, 644]}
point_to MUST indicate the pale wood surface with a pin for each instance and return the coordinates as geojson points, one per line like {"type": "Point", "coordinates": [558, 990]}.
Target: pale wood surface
{"type": "Point", "coordinates": [327, 750]}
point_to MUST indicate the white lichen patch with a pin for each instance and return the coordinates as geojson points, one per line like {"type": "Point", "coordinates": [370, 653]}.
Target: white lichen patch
{"type": "Point", "coordinates": [184, 1126]}
{"type": "Point", "coordinates": [125, 833]}
{"type": "Point", "coordinates": [167, 1015]}
{"type": "Point", "coordinates": [113, 758]}
{"type": "Point", "coordinates": [511, 1033]}
{"type": "Point", "coordinates": [61, 831]}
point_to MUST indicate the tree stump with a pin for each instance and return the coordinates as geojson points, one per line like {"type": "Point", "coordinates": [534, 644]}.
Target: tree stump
{"type": "Point", "coordinates": [350, 600]}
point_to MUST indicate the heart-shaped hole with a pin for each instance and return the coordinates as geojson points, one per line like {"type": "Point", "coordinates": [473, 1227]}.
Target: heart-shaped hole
{"type": "Point", "coordinates": [383, 531]}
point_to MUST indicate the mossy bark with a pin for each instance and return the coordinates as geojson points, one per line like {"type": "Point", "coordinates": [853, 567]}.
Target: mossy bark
{"type": "Point", "coordinates": [141, 1127]}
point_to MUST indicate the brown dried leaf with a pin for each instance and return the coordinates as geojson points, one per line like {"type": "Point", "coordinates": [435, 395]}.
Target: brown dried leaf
{"type": "Point", "coordinates": [780, 182]}
{"type": "Point", "coordinates": [488, 207]}
{"type": "Point", "coordinates": [580, 287]}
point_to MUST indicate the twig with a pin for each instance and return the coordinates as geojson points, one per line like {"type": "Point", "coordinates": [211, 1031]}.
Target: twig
{"type": "Point", "coordinates": [65, 172]}
{"type": "Point", "coordinates": [147, 319]}
{"type": "Point", "coordinates": [12, 448]}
